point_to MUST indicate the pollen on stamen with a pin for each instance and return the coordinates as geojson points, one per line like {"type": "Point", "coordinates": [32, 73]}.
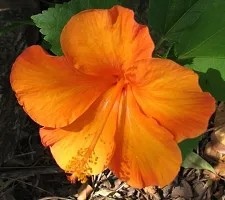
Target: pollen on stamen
{"type": "Point", "coordinates": [79, 168]}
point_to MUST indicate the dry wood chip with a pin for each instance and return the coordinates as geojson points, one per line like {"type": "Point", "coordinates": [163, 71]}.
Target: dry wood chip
{"type": "Point", "coordinates": [220, 115]}
{"type": "Point", "coordinates": [104, 192]}
{"type": "Point", "coordinates": [152, 191]}
{"type": "Point", "coordinates": [167, 190]}
{"type": "Point", "coordinates": [84, 191]}
{"type": "Point", "coordinates": [183, 190]}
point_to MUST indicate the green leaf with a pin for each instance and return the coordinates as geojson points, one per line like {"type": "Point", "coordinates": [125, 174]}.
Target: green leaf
{"type": "Point", "coordinates": [206, 37]}
{"type": "Point", "coordinates": [188, 145]}
{"type": "Point", "coordinates": [52, 21]}
{"type": "Point", "coordinates": [212, 82]}
{"type": "Point", "coordinates": [168, 18]}
{"type": "Point", "coordinates": [203, 45]}
{"type": "Point", "coordinates": [195, 161]}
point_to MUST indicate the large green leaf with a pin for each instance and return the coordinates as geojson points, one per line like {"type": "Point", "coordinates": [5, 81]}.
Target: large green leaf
{"type": "Point", "coordinates": [52, 21]}
{"type": "Point", "coordinates": [212, 82]}
{"type": "Point", "coordinates": [203, 47]}
{"type": "Point", "coordinates": [168, 18]}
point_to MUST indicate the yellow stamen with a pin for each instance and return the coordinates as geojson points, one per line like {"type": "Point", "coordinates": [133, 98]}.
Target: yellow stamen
{"type": "Point", "coordinates": [79, 167]}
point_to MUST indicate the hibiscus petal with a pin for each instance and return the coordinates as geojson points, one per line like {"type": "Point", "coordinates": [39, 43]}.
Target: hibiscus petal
{"type": "Point", "coordinates": [146, 153]}
{"type": "Point", "coordinates": [171, 94]}
{"type": "Point", "coordinates": [101, 41]}
{"type": "Point", "coordinates": [85, 147]}
{"type": "Point", "coordinates": [51, 90]}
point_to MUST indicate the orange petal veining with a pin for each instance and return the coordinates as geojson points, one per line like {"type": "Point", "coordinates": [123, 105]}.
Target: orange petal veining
{"type": "Point", "coordinates": [103, 42]}
{"type": "Point", "coordinates": [85, 147]}
{"type": "Point", "coordinates": [170, 94]}
{"type": "Point", "coordinates": [51, 90]}
{"type": "Point", "coordinates": [146, 153]}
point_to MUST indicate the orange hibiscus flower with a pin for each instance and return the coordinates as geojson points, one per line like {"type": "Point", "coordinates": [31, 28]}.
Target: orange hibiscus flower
{"type": "Point", "coordinates": [108, 103]}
